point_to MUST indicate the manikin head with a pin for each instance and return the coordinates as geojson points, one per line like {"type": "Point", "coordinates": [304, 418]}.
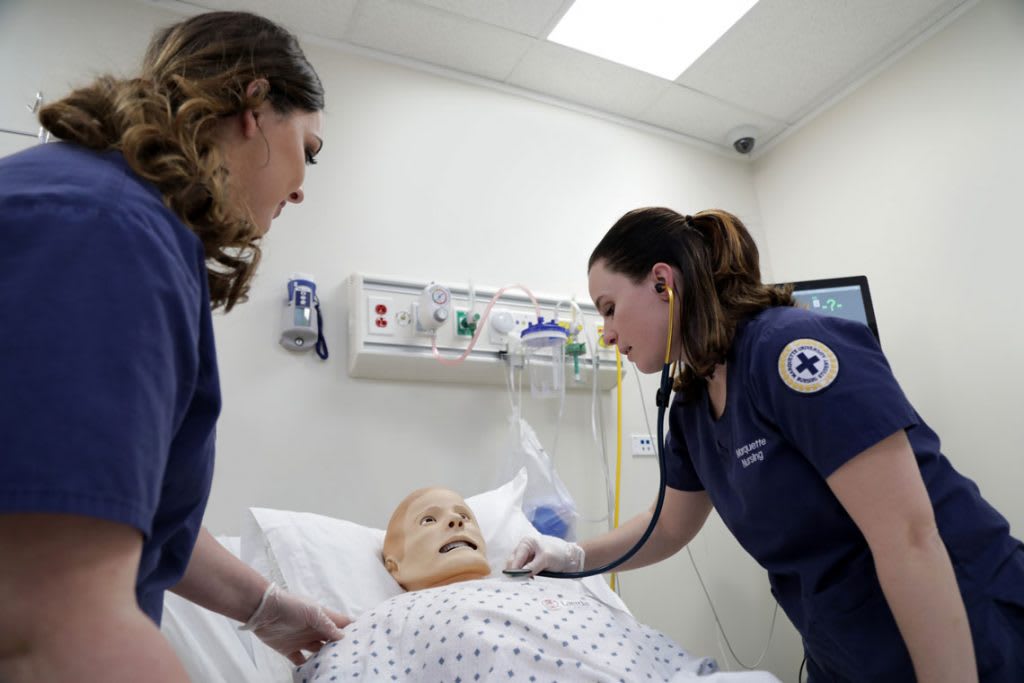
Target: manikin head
{"type": "Point", "coordinates": [433, 540]}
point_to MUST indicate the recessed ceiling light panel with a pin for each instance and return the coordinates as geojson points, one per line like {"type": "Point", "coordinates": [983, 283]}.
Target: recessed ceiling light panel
{"type": "Point", "coordinates": [661, 37]}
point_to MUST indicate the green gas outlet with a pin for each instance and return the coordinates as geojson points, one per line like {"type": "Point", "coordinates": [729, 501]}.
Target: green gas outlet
{"type": "Point", "coordinates": [464, 326]}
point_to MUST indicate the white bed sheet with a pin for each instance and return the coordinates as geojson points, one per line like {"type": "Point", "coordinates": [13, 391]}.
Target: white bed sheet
{"type": "Point", "coordinates": [211, 647]}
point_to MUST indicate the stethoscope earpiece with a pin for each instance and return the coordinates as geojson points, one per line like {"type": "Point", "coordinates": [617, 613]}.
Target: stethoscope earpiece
{"type": "Point", "coordinates": [659, 287]}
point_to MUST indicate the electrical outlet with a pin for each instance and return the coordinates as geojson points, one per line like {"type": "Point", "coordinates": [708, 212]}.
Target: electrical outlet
{"type": "Point", "coordinates": [643, 445]}
{"type": "Point", "coordinates": [380, 312]}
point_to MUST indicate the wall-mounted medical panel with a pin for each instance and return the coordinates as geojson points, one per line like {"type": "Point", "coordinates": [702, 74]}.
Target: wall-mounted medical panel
{"type": "Point", "coordinates": [394, 325]}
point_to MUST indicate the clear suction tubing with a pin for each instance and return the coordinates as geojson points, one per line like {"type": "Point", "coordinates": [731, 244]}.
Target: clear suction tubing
{"type": "Point", "coordinates": [544, 348]}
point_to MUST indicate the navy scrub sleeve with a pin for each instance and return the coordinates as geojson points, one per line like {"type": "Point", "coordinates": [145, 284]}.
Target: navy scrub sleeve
{"type": "Point", "coordinates": [107, 359]}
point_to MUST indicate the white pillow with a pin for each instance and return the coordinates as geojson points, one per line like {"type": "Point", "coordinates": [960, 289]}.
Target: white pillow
{"type": "Point", "coordinates": [333, 561]}
{"type": "Point", "coordinates": [339, 563]}
{"type": "Point", "coordinates": [499, 514]}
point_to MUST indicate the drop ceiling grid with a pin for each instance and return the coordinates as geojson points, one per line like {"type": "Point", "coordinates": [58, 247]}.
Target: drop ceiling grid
{"type": "Point", "coordinates": [785, 57]}
{"type": "Point", "coordinates": [530, 17]}
{"type": "Point", "coordinates": [781, 64]}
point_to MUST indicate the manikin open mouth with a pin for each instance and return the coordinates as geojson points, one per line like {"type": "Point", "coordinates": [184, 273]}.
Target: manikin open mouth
{"type": "Point", "coordinates": [447, 547]}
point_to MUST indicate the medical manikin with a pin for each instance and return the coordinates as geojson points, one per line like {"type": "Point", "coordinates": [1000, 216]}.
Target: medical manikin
{"type": "Point", "coordinates": [456, 621]}
{"type": "Point", "coordinates": [433, 540]}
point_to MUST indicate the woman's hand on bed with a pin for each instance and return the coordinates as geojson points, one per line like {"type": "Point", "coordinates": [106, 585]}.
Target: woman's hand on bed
{"type": "Point", "coordinates": [291, 624]}
{"type": "Point", "coordinates": [540, 553]}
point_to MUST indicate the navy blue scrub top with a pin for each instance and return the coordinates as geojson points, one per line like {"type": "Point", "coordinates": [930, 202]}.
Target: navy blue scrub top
{"type": "Point", "coordinates": [107, 359]}
{"type": "Point", "coordinates": [806, 393]}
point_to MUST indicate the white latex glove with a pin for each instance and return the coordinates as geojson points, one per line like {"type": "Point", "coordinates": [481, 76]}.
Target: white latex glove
{"type": "Point", "coordinates": [290, 624]}
{"type": "Point", "coordinates": [539, 553]}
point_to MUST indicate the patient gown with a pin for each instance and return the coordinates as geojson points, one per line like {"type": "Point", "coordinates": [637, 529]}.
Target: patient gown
{"type": "Point", "coordinates": [500, 629]}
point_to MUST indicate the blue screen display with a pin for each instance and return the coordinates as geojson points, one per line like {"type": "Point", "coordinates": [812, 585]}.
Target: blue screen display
{"type": "Point", "coordinates": [843, 302]}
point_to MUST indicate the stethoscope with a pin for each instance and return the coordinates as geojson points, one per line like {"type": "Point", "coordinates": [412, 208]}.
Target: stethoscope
{"type": "Point", "coordinates": [662, 399]}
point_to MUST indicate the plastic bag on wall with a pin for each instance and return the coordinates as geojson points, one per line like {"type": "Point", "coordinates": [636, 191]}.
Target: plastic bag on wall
{"type": "Point", "coordinates": [547, 503]}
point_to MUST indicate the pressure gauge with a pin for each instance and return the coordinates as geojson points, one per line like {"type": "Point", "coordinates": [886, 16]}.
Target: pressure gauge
{"type": "Point", "coordinates": [433, 307]}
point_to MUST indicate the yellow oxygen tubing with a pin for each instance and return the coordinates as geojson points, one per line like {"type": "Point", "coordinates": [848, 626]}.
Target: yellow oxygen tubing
{"type": "Point", "coordinates": [664, 393]}
{"type": "Point", "coordinates": [613, 579]}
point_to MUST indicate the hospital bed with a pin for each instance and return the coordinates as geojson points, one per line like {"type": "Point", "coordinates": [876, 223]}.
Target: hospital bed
{"type": "Point", "coordinates": [337, 563]}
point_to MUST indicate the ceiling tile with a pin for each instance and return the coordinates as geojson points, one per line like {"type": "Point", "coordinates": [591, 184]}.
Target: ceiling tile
{"type": "Point", "coordinates": [531, 17]}
{"type": "Point", "coordinates": [692, 113]}
{"type": "Point", "coordinates": [326, 18]}
{"type": "Point", "coordinates": [437, 37]}
{"type": "Point", "coordinates": [773, 69]}
{"type": "Point", "coordinates": [786, 57]}
{"type": "Point", "coordinates": [575, 76]}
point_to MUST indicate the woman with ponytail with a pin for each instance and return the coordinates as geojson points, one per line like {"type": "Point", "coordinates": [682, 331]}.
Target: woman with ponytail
{"type": "Point", "coordinates": [792, 427]}
{"type": "Point", "coordinates": [115, 245]}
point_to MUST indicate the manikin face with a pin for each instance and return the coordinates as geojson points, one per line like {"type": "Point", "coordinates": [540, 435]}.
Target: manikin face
{"type": "Point", "coordinates": [442, 543]}
{"type": "Point", "coordinates": [635, 314]}
{"type": "Point", "coordinates": [266, 154]}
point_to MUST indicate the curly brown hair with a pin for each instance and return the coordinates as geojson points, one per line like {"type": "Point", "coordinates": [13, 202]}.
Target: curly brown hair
{"type": "Point", "coordinates": [164, 123]}
{"type": "Point", "coordinates": [719, 277]}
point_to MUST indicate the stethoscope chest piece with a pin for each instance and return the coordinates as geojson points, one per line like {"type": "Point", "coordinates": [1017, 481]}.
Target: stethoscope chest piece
{"type": "Point", "coordinates": [516, 573]}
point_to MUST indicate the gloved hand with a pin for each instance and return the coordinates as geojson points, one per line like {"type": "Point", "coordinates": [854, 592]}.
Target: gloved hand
{"type": "Point", "coordinates": [539, 553]}
{"type": "Point", "coordinates": [290, 624]}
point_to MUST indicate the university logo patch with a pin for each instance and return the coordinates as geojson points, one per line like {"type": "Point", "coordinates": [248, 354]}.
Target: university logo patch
{"type": "Point", "coordinates": [807, 366]}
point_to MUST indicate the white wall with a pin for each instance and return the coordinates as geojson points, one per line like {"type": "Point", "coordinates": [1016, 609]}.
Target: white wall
{"type": "Point", "coordinates": [915, 180]}
{"type": "Point", "coordinates": [424, 177]}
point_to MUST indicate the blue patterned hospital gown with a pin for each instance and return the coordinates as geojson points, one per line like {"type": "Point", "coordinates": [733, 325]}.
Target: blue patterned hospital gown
{"type": "Point", "coordinates": [538, 630]}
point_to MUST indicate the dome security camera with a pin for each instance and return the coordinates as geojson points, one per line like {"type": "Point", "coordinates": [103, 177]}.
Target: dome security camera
{"type": "Point", "coordinates": [743, 139]}
{"type": "Point", "coordinates": [744, 145]}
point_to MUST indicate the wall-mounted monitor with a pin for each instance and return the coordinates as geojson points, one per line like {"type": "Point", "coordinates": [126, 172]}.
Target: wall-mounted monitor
{"type": "Point", "coordinates": [844, 297]}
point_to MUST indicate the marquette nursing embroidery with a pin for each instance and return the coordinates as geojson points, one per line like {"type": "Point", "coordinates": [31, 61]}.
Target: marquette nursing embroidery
{"type": "Point", "coordinates": [807, 366]}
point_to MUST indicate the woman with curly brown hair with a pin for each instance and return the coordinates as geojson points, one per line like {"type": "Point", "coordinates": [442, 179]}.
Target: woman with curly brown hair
{"type": "Point", "coordinates": [791, 425]}
{"type": "Point", "coordinates": [125, 234]}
